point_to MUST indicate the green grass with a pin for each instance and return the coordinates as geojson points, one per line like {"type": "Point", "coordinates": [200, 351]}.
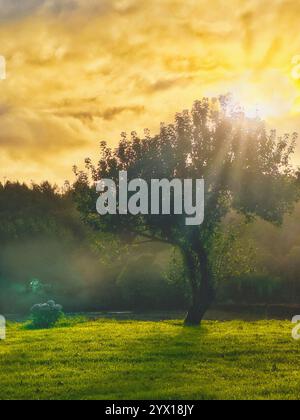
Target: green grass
{"type": "Point", "coordinates": [151, 360]}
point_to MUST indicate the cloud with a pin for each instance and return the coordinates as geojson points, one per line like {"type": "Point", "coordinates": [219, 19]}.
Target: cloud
{"type": "Point", "coordinates": [11, 9]}
{"type": "Point", "coordinates": [79, 71]}
{"type": "Point", "coordinates": [163, 84]}
{"type": "Point", "coordinates": [17, 9]}
{"type": "Point", "coordinates": [108, 114]}
{"type": "Point", "coordinates": [30, 135]}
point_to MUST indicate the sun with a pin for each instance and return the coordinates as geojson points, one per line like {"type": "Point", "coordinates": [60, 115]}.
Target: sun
{"type": "Point", "coordinates": [266, 109]}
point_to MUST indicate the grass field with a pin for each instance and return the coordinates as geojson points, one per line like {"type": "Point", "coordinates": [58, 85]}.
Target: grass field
{"type": "Point", "coordinates": [106, 359]}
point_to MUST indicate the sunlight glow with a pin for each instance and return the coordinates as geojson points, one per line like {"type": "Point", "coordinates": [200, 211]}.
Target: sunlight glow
{"type": "Point", "coordinates": [79, 75]}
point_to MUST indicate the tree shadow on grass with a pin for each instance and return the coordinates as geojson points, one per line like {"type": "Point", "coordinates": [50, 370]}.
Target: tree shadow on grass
{"type": "Point", "coordinates": [156, 366]}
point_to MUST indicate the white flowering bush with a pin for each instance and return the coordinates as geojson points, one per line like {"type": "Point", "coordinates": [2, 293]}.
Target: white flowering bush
{"type": "Point", "coordinates": [45, 315]}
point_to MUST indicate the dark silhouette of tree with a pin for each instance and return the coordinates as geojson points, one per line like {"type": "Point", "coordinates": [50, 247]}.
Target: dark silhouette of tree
{"type": "Point", "coordinates": [35, 210]}
{"type": "Point", "coordinates": [245, 168]}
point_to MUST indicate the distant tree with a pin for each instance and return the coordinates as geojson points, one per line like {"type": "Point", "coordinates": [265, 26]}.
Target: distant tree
{"type": "Point", "coordinates": [245, 168]}
{"type": "Point", "coordinates": [36, 210]}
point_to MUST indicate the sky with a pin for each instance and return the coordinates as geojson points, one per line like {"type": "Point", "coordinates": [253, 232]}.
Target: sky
{"type": "Point", "coordinates": [82, 71]}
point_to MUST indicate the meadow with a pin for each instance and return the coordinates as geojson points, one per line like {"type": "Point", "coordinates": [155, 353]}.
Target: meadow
{"type": "Point", "coordinates": [109, 359]}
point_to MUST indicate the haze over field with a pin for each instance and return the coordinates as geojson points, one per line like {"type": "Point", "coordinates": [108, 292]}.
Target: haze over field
{"type": "Point", "coordinates": [81, 71]}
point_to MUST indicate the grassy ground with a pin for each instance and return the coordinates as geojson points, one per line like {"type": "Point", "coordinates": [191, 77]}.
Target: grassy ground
{"type": "Point", "coordinates": [106, 359]}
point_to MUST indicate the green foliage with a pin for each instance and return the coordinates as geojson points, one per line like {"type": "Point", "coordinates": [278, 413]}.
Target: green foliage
{"type": "Point", "coordinates": [35, 210]}
{"type": "Point", "coordinates": [176, 273]}
{"type": "Point", "coordinates": [245, 168]}
{"type": "Point", "coordinates": [82, 269]}
{"type": "Point", "coordinates": [234, 252]}
{"type": "Point", "coordinates": [46, 315]}
{"type": "Point", "coordinates": [143, 288]}
{"type": "Point", "coordinates": [253, 288]}
{"type": "Point", "coordinates": [108, 248]}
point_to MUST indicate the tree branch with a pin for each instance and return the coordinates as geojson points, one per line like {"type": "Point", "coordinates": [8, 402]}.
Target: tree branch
{"type": "Point", "coordinates": [153, 238]}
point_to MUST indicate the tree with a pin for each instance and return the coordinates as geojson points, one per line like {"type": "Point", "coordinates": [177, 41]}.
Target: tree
{"type": "Point", "coordinates": [245, 168]}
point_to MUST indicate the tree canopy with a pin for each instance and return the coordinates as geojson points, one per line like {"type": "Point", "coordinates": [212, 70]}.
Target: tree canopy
{"type": "Point", "coordinates": [245, 168]}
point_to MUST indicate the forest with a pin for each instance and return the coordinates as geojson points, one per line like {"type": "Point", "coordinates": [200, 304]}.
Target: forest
{"type": "Point", "coordinates": [47, 251]}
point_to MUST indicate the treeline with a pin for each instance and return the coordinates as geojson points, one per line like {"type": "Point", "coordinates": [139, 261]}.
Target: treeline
{"type": "Point", "coordinates": [47, 252]}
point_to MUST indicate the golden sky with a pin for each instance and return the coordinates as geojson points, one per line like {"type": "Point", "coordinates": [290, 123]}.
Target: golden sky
{"type": "Point", "coordinates": [82, 71]}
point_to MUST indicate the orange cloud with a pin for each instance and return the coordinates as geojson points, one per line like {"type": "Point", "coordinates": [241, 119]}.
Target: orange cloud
{"type": "Point", "coordinates": [82, 71]}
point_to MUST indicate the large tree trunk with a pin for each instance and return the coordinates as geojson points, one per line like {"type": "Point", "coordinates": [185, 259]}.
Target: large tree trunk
{"type": "Point", "coordinates": [202, 288]}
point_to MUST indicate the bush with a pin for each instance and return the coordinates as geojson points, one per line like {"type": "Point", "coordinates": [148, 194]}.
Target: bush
{"type": "Point", "coordinates": [45, 315]}
{"type": "Point", "coordinates": [249, 289]}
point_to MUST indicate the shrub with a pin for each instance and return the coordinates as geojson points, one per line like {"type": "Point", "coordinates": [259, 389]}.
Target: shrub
{"type": "Point", "coordinates": [45, 315]}
{"type": "Point", "coordinates": [249, 289]}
